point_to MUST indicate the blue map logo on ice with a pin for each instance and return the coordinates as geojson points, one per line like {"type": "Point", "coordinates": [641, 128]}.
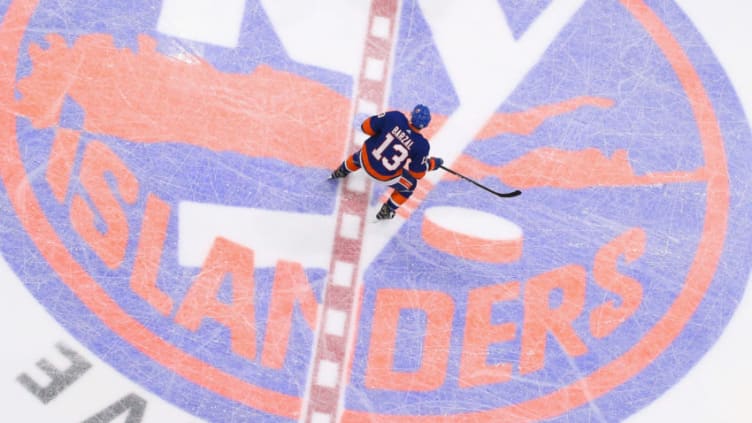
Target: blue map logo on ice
{"type": "Point", "coordinates": [164, 197]}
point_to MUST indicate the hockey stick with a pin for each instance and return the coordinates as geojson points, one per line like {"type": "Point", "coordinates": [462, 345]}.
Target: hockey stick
{"type": "Point", "coordinates": [500, 194]}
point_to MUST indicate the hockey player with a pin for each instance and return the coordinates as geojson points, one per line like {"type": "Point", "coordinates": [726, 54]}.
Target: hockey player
{"type": "Point", "coordinates": [395, 154]}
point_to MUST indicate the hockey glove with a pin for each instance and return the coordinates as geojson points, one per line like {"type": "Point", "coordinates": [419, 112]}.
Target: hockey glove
{"type": "Point", "coordinates": [434, 163]}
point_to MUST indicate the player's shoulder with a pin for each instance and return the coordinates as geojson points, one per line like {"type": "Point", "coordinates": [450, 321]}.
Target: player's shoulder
{"type": "Point", "coordinates": [420, 143]}
{"type": "Point", "coordinates": [393, 116]}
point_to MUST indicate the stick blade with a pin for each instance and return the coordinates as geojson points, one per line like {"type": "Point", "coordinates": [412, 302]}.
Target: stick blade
{"type": "Point", "coordinates": [514, 193]}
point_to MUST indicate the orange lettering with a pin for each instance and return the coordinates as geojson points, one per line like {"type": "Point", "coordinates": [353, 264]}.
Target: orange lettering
{"type": "Point", "coordinates": [480, 334]}
{"type": "Point", "coordinates": [605, 318]}
{"type": "Point", "coordinates": [110, 245]}
{"type": "Point", "coordinates": [62, 158]}
{"type": "Point", "coordinates": [149, 254]}
{"type": "Point", "coordinates": [201, 300]}
{"type": "Point", "coordinates": [541, 318]}
{"type": "Point", "coordinates": [439, 310]}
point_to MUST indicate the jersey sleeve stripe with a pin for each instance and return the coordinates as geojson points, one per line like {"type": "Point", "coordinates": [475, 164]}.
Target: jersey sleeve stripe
{"type": "Point", "coordinates": [351, 164]}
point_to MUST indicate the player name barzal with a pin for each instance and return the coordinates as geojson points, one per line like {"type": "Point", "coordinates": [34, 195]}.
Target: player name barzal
{"type": "Point", "coordinates": [402, 137]}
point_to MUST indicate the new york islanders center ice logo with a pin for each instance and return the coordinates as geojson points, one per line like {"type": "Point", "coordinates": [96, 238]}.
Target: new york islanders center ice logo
{"type": "Point", "coordinates": [164, 197]}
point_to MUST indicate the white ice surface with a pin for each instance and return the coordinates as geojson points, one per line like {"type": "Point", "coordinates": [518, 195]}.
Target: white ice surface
{"type": "Point", "coordinates": [323, 33]}
{"type": "Point", "coordinates": [273, 235]}
{"type": "Point", "coordinates": [207, 21]}
{"type": "Point", "coordinates": [474, 223]}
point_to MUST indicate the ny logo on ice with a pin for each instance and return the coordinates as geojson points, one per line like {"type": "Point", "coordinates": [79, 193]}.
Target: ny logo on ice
{"type": "Point", "coordinates": [184, 183]}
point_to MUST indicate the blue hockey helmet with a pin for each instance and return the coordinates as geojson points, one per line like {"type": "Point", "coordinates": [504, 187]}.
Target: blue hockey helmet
{"type": "Point", "coordinates": [420, 117]}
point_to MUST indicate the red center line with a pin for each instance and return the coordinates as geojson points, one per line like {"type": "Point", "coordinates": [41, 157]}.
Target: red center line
{"type": "Point", "coordinates": [335, 330]}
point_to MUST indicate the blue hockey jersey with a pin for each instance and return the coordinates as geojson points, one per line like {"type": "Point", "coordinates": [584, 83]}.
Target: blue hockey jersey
{"type": "Point", "coordinates": [393, 145]}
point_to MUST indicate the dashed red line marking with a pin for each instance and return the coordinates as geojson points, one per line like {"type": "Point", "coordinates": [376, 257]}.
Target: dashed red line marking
{"type": "Point", "coordinates": [335, 329]}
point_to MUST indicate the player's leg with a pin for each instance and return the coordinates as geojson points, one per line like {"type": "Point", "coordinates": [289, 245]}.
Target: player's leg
{"type": "Point", "coordinates": [351, 164]}
{"type": "Point", "coordinates": [402, 190]}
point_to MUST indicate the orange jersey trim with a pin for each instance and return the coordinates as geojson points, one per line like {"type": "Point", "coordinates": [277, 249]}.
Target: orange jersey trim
{"type": "Point", "coordinates": [351, 165]}
{"type": "Point", "coordinates": [405, 183]}
{"type": "Point", "coordinates": [364, 160]}
{"type": "Point", "coordinates": [417, 175]}
{"type": "Point", "coordinates": [398, 198]}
